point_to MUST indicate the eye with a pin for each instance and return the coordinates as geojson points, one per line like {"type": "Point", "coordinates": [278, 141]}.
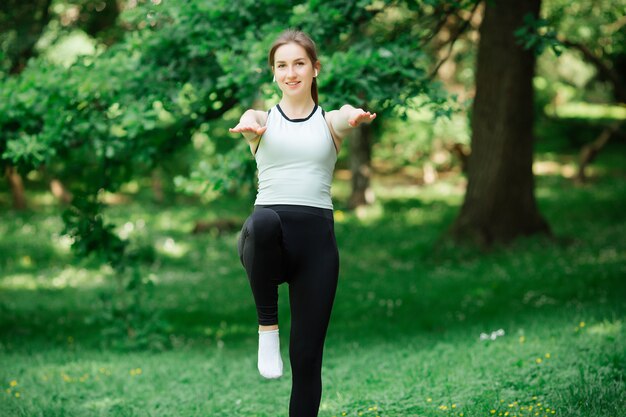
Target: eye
{"type": "Point", "coordinates": [281, 65]}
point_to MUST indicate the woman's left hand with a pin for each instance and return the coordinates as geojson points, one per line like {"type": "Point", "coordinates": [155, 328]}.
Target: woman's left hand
{"type": "Point", "coordinates": [360, 116]}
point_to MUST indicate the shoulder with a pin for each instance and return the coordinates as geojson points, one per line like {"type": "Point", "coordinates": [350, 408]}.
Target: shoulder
{"type": "Point", "coordinates": [329, 116]}
{"type": "Point", "coordinates": [260, 116]}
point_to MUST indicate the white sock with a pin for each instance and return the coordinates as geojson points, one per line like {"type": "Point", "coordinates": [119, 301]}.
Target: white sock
{"type": "Point", "coordinates": [270, 363]}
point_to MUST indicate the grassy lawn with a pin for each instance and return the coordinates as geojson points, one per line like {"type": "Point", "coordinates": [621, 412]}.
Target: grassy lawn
{"type": "Point", "coordinates": [405, 334]}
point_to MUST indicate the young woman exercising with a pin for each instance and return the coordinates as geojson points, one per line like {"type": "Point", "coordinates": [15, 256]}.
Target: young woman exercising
{"type": "Point", "coordinates": [289, 237]}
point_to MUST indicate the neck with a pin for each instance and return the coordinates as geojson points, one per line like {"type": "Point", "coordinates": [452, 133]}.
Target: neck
{"type": "Point", "coordinates": [297, 107]}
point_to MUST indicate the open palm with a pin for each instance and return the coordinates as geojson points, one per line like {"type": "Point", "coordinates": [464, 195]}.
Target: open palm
{"type": "Point", "coordinates": [360, 117]}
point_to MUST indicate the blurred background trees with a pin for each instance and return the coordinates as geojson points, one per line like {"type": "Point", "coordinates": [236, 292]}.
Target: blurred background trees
{"type": "Point", "coordinates": [96, 94]}
{"type": "Point", "coordinates": [100, 99]}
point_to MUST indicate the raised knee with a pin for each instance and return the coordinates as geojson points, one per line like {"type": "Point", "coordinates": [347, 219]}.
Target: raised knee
{"type": "Point", "coordinates": [264, 226]}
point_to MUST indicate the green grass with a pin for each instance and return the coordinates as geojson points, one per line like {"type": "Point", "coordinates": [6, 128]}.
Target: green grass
{"type": "Point", "coordinates": [404, 338]}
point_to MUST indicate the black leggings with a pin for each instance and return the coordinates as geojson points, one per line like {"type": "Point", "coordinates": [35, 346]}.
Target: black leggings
{"type": "Point", "coordinates": [294, 244]}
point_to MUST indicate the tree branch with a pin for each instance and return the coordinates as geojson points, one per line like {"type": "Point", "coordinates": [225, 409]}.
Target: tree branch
{"type": "Point", "coordinates": [35, 29]}
{"type": "Point", "coordinates": [589, 152]}
{"type": "Point", "coordinates": [607, 72]}
{"type": "Point", "coordinates": [462, 28]}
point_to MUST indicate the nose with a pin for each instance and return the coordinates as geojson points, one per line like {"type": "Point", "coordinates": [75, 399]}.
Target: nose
{"type": "Point", "coordinates": [290, 72]}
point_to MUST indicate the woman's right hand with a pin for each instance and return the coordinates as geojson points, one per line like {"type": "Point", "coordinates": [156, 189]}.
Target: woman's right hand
{"type": "Point", "coordinates": [250, 128]}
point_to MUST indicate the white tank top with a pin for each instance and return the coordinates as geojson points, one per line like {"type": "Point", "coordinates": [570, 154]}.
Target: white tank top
{"type": "Point", "coordinates": [296, 159]}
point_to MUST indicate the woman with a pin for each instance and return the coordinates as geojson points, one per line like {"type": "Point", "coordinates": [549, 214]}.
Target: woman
{"type": "Point", "coordinates": [290, 237]}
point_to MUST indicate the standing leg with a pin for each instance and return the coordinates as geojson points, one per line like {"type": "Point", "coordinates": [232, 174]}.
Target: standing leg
{"type": "Point", "coordinates": [311, 292]}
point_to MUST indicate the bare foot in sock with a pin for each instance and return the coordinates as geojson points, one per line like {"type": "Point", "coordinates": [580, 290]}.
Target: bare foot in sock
{"type": "Point", "coordinates": [270, 363]}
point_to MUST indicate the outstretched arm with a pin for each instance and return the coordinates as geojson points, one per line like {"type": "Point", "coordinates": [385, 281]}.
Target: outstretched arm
{"type": "Point", "coordinates": [252, 125]}
{"type": "Point", "coordinates": [347, 118]}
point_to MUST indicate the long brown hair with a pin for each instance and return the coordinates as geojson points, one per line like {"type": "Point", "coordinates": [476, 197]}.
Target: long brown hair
{"type": "Point", "coordinates": [302, 39]}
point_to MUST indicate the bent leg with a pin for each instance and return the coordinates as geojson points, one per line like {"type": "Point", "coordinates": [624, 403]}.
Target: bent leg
{"type": "Point", "coordinates": [260, 252]}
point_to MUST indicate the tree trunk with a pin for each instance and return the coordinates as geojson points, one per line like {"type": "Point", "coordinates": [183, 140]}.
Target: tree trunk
{"type": "Point", "coordinates": [361, 167]}
{"type": "Point", "coordinates": [500, 202]}
{"type": "Point", "coordinates": [17, 188]}
{"type": "Point", "coordinates": [589, 152]}
{"type": "Point", "coordinates": [157, 186]}
{"type": "Point", "coordinates": [62, 194]}
{"type": "Point", "coordinates": [28, 20]}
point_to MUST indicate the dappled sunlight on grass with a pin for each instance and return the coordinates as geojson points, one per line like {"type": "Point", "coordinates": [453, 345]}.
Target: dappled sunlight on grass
{"type": "Point", "coordinates": [596, 192]}
{"type": "Point", "coordinates": [63, 243]}
{"type": "Point", "coordinates": [606, 328]}
{"type": "Point", "coordinates": [103, 403]}
{"type": "Point", "coordinates": [168, 246]}
{"type": "Point", "coordinates": [177, 218]}
{"type": "Point", "coordinates": [408, 204]}
{"type": "Point", "coordinates": [19, 281]}
{"type": "Point", "coordinates": [609, 255]}
{"type": "Point", "coordinates": [371, 213]}
{"type": "Point", "coordinates": [588, 111]}
{"type": "Point", "coordinates": [546, 164]}
{"type": "Point", "coordinates": [405, 335]}
{"type": "Point", "coordinates": [424, 215]}
{"type": "Point", "coordinates": [43, 199]}
{"type": "Point", "coordinates": [566, 170]}
{"type": "Point", "coordinates": [223, 329]}
{"type": "Point", "coordinates": [450, 191]}
{"type": "Point", "coordinates": [68, 277]}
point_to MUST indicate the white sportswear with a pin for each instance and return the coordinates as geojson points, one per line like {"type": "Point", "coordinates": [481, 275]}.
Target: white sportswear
{"type": "Point", "coordinates": [296, 159]}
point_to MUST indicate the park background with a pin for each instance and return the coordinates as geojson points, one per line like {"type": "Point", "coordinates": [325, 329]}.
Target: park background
{"type": "Point", "coordinates": [480, 219]}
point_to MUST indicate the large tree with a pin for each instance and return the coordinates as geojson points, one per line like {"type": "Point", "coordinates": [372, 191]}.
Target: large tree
{"type": "Point", "coordinates": [500, 202]}
{"type": "Point", "coordinates": [22, 26]}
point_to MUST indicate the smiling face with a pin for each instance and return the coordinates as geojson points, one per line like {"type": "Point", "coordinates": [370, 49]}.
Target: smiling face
{"type": "Point", "coordinates": [293, 69]}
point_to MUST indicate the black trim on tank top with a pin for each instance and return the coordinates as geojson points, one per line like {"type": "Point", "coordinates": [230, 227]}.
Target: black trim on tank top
{"type": "Point", "coordinates": [300, 120]}
{"type": "Point", "coordinates": [296, 120]}
{"type": "Point", "coordinates": [333, 141]}
{"type": "Point", "coordinates": [257, 146]}
{"type": "Point", "coordinates": [259, 143]}
{"type": "Point", "coordinates": [330, 133]}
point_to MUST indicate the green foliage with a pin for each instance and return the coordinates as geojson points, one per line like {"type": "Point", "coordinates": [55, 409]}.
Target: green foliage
{"type": "Point", "coordinates": [596, 26]}
{"type": "Point", "coordinates": [536, 35]}
{"type": "Point", "coordinates": [115, 115]}
{"type": "Point", "coordinates": [371, 54]}
{"type": "Point", "coordinates": [118, 114]}
{"type": "Point", "coordinates": [427, 142]}
{"type": "Point", "coordinates": [127, 318]}
{"type": "Point", "coordinates": [217, 174]}
{"type": "Point", "coordinates": [84, 224]}
{"type": "Point", "coordinates": [22, 24]}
